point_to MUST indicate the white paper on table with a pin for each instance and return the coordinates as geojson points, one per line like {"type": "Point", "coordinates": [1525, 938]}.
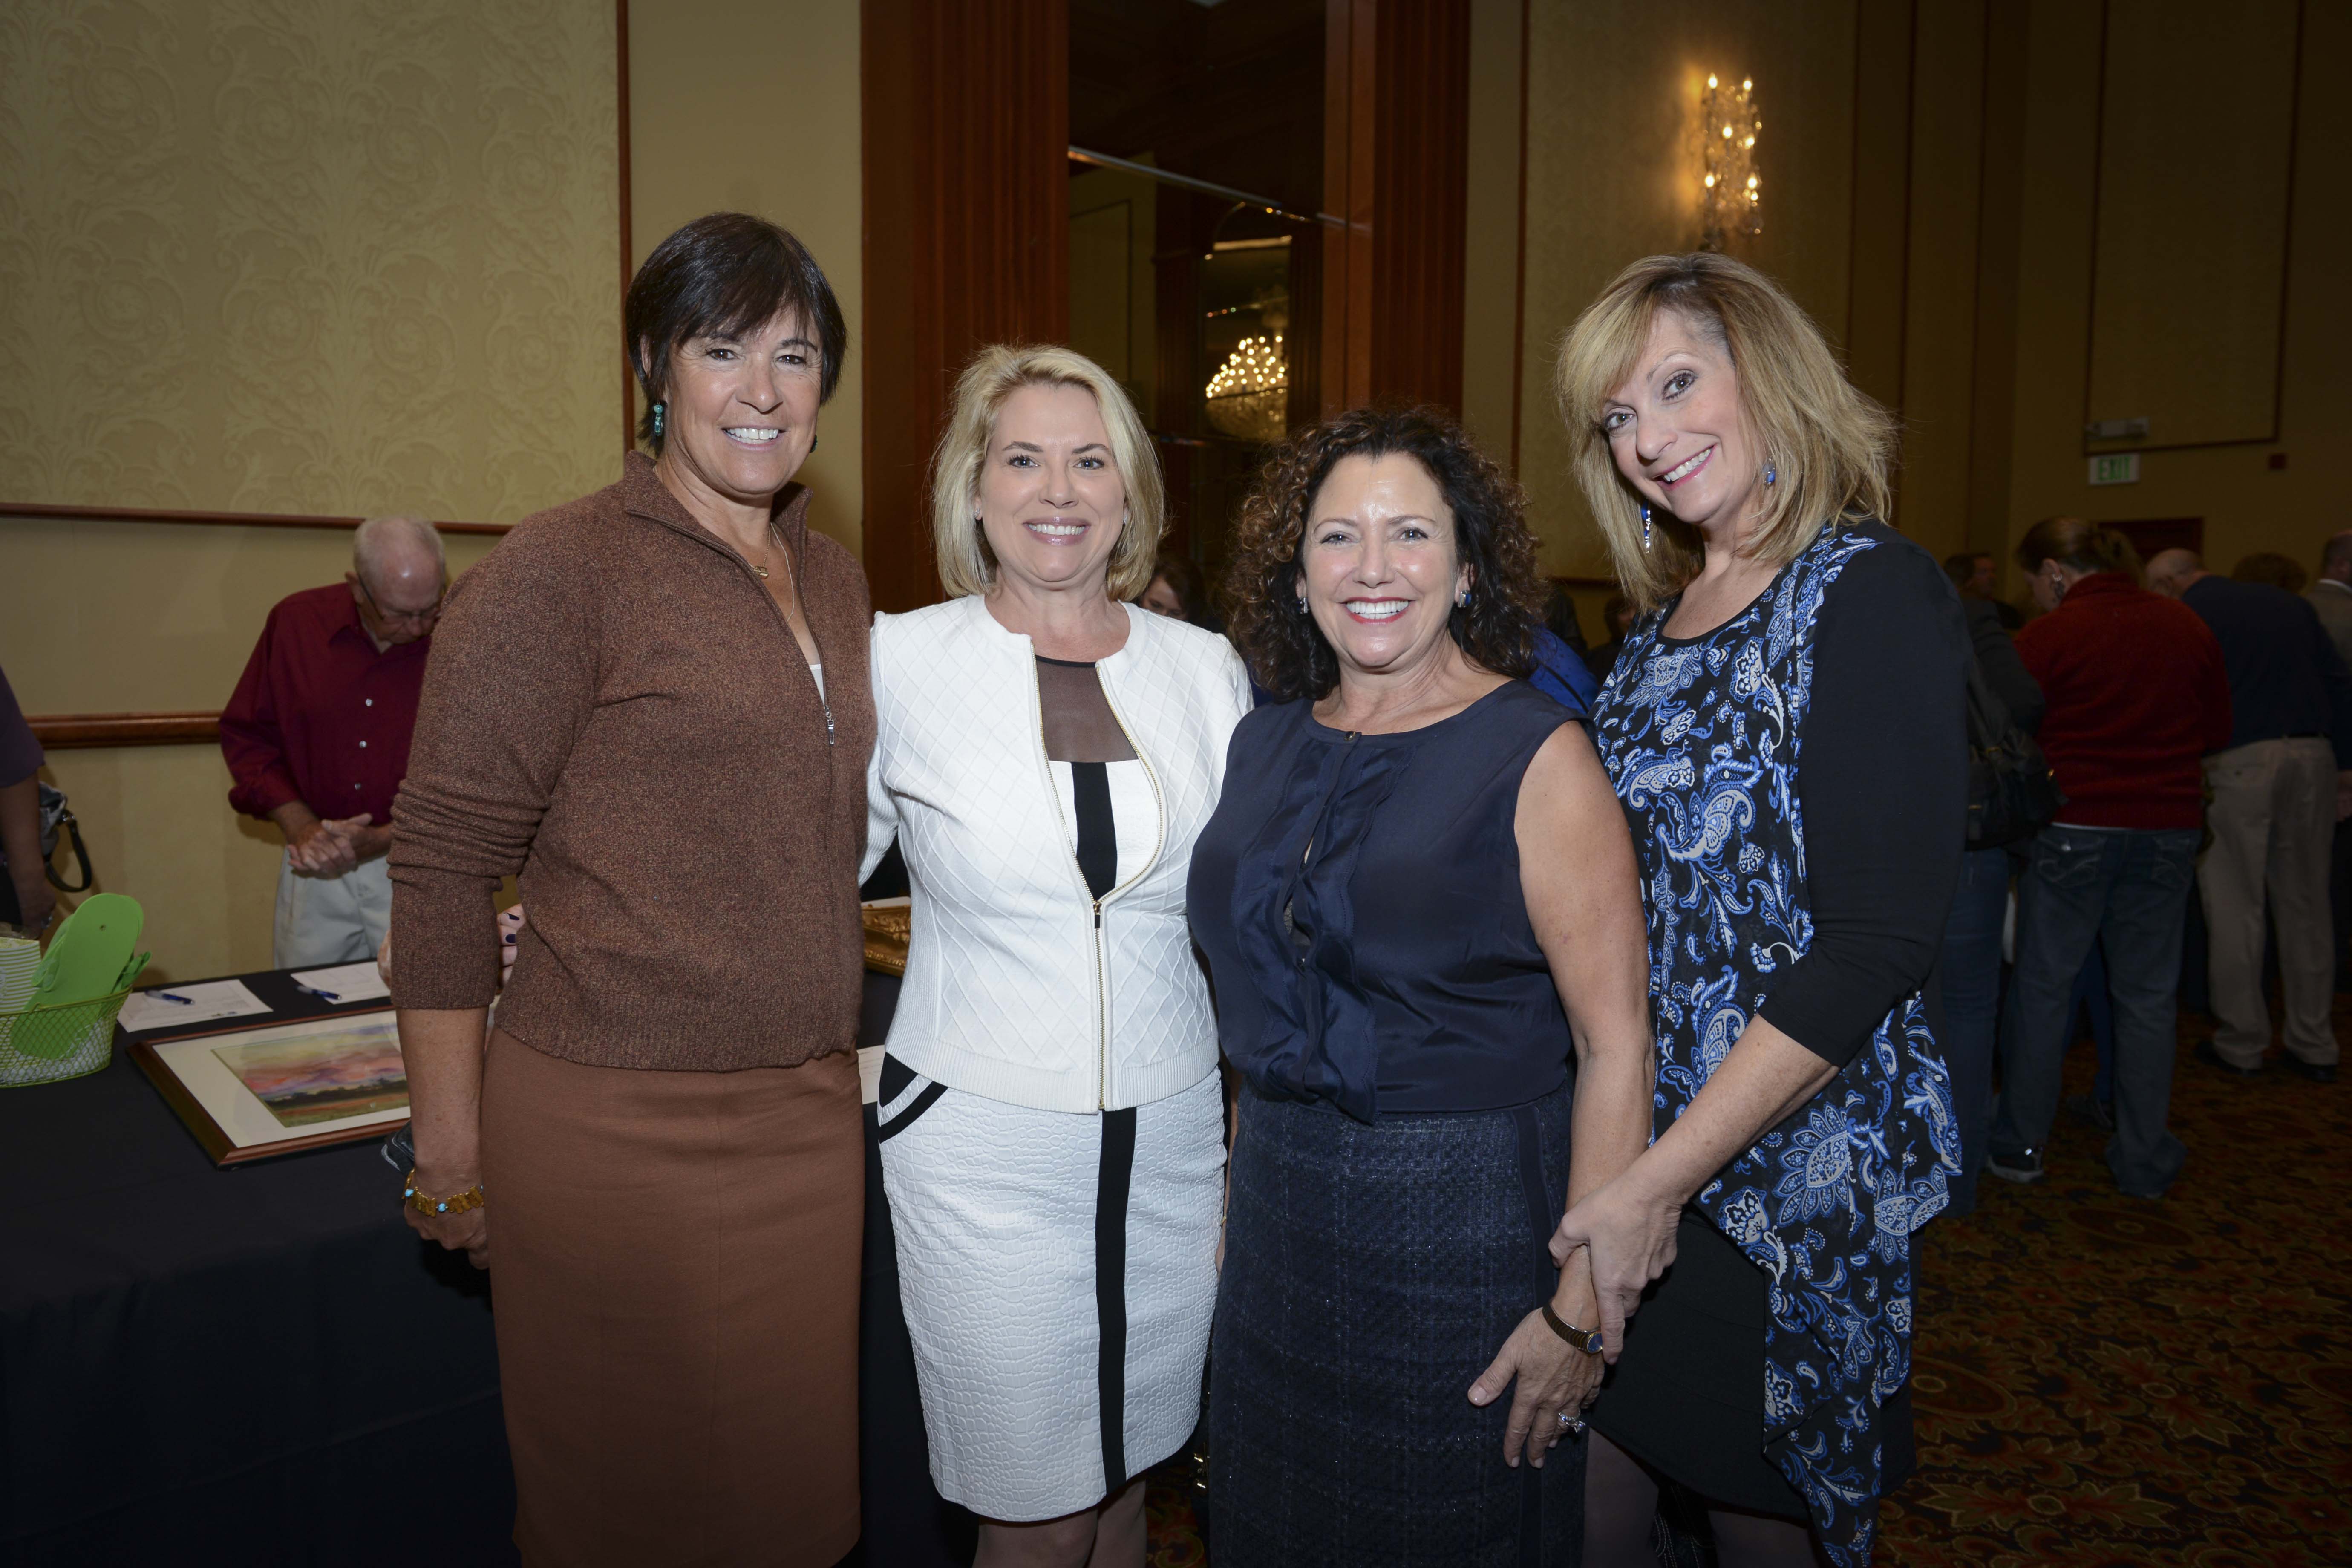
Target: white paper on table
{"type": "Point", "coordinates": [214, 999]}
{"type": "Point", "coordinates": [358, 982]}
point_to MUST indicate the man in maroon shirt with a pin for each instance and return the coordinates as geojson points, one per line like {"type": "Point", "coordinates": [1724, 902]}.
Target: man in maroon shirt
{"type": "Point", "coordinates": [2135, 697]}
{"type": "Point", "coordinates": [316, 735]}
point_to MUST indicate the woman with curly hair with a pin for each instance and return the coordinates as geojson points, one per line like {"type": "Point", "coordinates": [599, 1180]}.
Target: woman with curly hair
{"type": "Point", "coordinates": [1785, 726]}
{"type": "Point", "coordinates": [1417, 899]}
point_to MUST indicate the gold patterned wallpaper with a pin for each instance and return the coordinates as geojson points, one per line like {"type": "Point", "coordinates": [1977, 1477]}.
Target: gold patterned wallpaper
{"type": "Point", "coordinates": [308, 256]}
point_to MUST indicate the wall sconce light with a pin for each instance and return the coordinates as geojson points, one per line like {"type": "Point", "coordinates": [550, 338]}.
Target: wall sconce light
{"type": "Point", "coordinates": [1732, 192]}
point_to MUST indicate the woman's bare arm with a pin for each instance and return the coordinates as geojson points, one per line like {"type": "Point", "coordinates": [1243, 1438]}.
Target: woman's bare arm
{"type": "Point", "coordinates": [1578, 874]}
{"type": "Point", "coordinates": [1627, 1226]}
{"type": "Point", "coordinates": [442, 1048]}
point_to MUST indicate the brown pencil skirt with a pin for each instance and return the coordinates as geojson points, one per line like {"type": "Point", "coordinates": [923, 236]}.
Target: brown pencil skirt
{"type": "Point", "coordinates": [674, 1269]}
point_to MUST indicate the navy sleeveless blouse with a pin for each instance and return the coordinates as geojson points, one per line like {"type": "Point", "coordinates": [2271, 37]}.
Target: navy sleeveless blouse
{"type": "Point", "coordinates": [1394, 968]}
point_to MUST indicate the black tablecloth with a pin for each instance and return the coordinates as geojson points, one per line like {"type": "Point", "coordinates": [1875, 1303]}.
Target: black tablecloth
{"type": "Point", "coordinates": [906, 1523]}
{"type": "Point", "coordinates": [265, 1366]}
{"type": "Point", "coordinates": [260, 1366]}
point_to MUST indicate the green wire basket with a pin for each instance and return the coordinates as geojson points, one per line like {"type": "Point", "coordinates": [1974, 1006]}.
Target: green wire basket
{"type": "Point", "coordinates": [48, 1044]}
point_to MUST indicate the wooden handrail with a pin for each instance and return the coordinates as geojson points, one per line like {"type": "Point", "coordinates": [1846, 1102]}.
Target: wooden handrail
{"type": "Point", "coordinates": [212, 518]}
{"type": "Point", "coordinates": [69, 731]}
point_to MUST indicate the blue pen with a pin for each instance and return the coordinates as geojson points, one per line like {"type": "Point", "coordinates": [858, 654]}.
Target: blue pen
{"type": "Point", "coordinates": [167, 996]}
{"type": "Point", "coordinates": [314, 991]}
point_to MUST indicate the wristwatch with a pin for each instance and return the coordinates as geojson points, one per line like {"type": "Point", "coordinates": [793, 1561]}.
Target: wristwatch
{"type": "Point", "coordinates": [1589, 1341]}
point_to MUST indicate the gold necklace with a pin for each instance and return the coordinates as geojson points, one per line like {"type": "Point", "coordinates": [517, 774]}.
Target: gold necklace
{"type": "Point", "coordinates": [781, 552]}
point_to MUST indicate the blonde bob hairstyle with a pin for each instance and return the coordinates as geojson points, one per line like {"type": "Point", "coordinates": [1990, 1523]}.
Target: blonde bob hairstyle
{"type": "Point", "coordinates": [967, 565]}
{"type": "Point", "coordinates": [1827, 443]}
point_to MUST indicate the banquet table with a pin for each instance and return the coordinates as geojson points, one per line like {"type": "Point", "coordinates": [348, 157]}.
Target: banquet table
{"type": "Point", "coordinates": [260, 1366]}
{"type": "Point", "coordinates": [263, 1366]}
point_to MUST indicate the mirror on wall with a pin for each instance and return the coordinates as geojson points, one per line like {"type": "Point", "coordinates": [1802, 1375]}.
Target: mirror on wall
{"type": "Point", "coordinates": [1195, 175]}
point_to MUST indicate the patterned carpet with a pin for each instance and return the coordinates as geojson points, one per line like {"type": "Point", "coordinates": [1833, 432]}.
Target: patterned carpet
{"type": "Point", "coordinates": [2102, 1381]}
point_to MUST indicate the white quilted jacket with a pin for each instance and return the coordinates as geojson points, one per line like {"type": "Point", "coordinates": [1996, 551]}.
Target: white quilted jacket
{"type": "Point", "coordinates": [1019, 987]}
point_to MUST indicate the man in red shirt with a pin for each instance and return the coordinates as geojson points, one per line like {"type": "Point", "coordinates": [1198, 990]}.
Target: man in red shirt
{"type": "Point", "coordinates": [2135, 697]}
{"type": "Point", "coordinates": [316, 735]}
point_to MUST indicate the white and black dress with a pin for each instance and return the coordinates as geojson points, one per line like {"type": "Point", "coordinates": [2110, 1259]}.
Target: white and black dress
{"type": "Point", "coordinates": [1057, 1269]}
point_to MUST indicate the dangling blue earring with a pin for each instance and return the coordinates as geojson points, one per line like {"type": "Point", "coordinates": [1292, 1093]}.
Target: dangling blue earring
{"type": "Point", "coordinates": [1461, 600]}
{"type": "Point", "coordinates": [657, 421]}
{"type": "Point", "coordinates": [1645, 527]}
{"type": "Point", "coordinates": [1769, 475]}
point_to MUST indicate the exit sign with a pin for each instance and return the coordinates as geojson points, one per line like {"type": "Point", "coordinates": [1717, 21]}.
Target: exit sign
{"type": "Point", "coordinates": [2115, 468]}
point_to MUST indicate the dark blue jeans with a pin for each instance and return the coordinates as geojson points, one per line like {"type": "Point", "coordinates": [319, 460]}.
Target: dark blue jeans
{"type": "Point", "coordinates": [1971, 980]}
{"type": "Point", "coordinates": [2080, 886]}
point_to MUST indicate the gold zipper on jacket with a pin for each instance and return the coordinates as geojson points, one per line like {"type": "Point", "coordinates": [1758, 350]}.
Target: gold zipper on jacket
{"type": "Point", "coordinates": [1069, 835]}
{"type": "Point", "coordinates": [1159, 844]}
{"type": "Point", "coordinates": [1159, 801]}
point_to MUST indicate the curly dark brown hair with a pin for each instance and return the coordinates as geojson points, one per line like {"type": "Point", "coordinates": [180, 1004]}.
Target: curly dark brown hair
{"type": "Point", "coordinates": [1286, 650]}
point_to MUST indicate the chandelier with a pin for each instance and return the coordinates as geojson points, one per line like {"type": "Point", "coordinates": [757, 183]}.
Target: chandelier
{"type": "Point", "coordinates": [1732, 200]}
{"type": "Point", "coordinates": [1249, 398]}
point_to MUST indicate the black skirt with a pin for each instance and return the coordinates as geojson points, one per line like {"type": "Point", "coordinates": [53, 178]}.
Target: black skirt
{"type": "Point", "coordinates": [1371, 1273]}
{"type": "Point", "coordinates": [1686, 1396]}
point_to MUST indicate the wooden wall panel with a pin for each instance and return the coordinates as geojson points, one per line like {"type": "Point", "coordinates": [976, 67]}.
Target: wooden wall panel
{"type": "Point", "coordinates": [1396, 155]}
{"type": "Point", "coordinates": [1344, 278]}
{"type": "Point", "coordinates": [1420, 170]}
{"type": "Point", "coordinates": [966, 120]}
{"type": "Point", "coordinates": [2196, 165]}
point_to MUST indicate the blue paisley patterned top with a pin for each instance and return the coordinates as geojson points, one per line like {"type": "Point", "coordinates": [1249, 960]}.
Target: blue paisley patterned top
{"type": "Point", "coordinates": [1796, 780]}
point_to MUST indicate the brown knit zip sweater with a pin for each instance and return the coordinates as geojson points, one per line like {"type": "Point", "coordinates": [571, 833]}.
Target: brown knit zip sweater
{"type": "Point", "coordinates": [616, 712]}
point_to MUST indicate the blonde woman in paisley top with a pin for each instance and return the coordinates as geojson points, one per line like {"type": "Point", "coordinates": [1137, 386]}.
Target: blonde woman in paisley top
{"type": "Point", "coordinates": [1786, 730]}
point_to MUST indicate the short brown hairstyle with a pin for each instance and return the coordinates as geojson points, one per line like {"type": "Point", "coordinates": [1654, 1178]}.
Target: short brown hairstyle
{"type": "Point", "coordinates": [1828, 443]}
{"type": "Point", "coordinates": [727, 273]}
{"type": "Point", "coordinates": [2080, 544]}
{"type": "Point", "coordinates": [1287, 651]}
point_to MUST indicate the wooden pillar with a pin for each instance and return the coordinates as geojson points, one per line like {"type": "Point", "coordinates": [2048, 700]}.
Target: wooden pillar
{"type": "Point", "coordinates": [966, 124]}
{"type": "Point", "coordinates": [1396, 156]}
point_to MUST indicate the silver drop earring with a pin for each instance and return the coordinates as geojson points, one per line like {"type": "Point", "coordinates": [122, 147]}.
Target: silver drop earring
{"type": "Point", "coordinates": [1645, 527]}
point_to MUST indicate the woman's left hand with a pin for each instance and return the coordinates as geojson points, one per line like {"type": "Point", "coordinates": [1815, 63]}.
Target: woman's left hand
{"type": "Point", "coordinates": [1554, 1378]}
{"type": "Point", "coordinates": [1629, 1231]}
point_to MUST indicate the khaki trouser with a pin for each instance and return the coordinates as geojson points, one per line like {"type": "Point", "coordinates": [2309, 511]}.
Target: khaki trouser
{"type": "Point", "coordinates": [2273, 818]}
{"type": "Point", "coordinates": [324, 921]}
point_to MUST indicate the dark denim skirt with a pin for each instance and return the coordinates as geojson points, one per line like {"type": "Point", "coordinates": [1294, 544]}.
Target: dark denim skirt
{"type": "Point", "coordinates": [1371, 1273]}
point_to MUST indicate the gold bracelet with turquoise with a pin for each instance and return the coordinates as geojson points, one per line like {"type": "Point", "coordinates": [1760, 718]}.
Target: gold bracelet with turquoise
{"type": "Point", "coordinates": [473, 1197]}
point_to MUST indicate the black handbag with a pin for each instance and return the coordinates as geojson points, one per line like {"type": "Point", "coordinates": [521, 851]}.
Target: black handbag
{"type": "Point", "coordinates": [57, 816]}
{"type": "Point", "coordinates": [2012, 793]}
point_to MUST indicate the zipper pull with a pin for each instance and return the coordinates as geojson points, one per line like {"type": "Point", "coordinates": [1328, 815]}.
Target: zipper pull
{"type": "Point", "coordinates": [828, 719]}
{"type": "Point", "coordinates": [1097, 915]}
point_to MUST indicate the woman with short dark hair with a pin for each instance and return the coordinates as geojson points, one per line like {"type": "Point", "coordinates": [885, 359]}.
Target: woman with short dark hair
{"type": "Point", "coordinates": [650, 706]}
{"type": "Point", "coordinates": [1417, 899]}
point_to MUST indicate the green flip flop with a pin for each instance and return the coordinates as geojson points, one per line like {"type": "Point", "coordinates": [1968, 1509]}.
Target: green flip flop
{"type": "Point", "coordinates": [95, 953]}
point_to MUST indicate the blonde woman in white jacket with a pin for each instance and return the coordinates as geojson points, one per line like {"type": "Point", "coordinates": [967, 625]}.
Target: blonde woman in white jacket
{"type": "Point", "coordinates": [1052, 1131]}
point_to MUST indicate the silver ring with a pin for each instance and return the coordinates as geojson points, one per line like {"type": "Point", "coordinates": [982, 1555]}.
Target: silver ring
{"type": "Point", "coordinates": [1571, 1424]}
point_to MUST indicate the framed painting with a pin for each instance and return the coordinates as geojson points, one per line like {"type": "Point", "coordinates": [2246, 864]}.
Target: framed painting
{"type": "Point", "coordinates": [252, 1094]}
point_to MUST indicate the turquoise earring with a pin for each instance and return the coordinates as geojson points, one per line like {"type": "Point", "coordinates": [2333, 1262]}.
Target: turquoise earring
{"type": "Point", "coordinates": [657, 421]}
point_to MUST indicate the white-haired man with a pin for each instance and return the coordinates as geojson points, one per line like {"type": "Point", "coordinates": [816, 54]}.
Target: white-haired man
{"type": "Point", "coordinates": [316, 735]}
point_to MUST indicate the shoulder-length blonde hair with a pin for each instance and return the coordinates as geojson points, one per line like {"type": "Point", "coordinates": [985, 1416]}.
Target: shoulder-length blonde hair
{"type": "Point", "coordinates": [967, 565]}
{"type": "Point", "coordinates": [1828, 445]}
